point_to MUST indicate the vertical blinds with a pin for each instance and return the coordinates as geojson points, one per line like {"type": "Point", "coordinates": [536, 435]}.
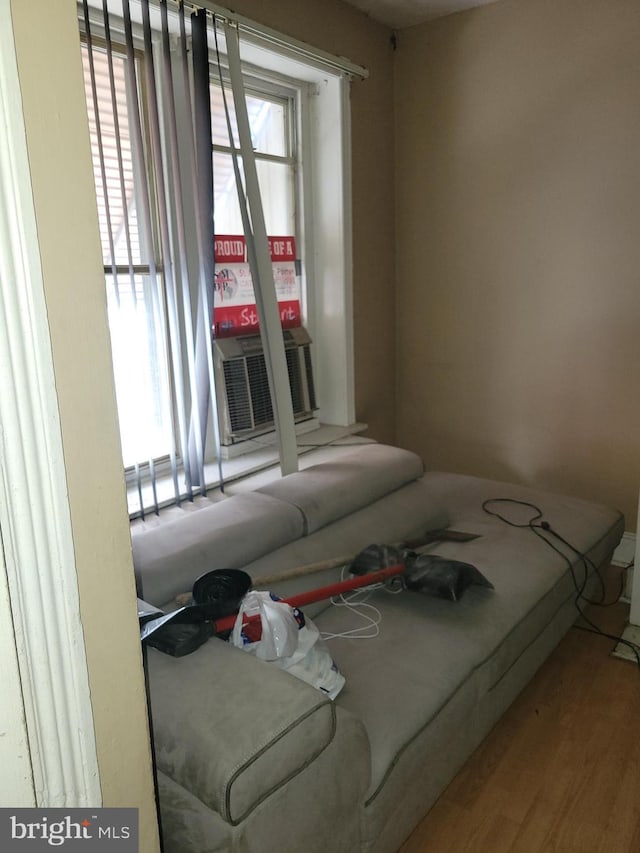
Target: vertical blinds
{"type": "Point", "coordinates": [151, 131]}
{"type": "Point", "coordinates": [155, 202]}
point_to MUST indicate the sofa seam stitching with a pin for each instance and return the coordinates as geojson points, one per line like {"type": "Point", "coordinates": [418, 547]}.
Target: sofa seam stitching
{"type": "Point", "coordinates": [255, 755]}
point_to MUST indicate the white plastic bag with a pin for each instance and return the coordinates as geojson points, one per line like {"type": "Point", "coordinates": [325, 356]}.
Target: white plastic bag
{"type": "Point", "coordinates": [312, 662]}
{"type": "Point", "coordinates": [279, 628]}
{"type": "Point", "coordinates": [289, 640]}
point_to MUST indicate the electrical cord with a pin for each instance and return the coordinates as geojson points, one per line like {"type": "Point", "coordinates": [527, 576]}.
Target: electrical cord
{"type": "Point", "coordinates": [540, 527]}
{"type": "Point", "coordinates": [539, 530]}
{"type": "Point", "coordinates": [357, 602]}
{"type": "Point", "coordinates": [367, 631]}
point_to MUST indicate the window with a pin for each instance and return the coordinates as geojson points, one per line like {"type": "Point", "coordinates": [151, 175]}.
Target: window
{"type": "Point", "coordinates": [133, 295]}
{"type": "Point", "coordinates": [298, 118]}
{"type": "Point", "coordinates": [272, 116]}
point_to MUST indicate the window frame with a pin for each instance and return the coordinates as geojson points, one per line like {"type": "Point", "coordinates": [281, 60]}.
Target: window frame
{"type": "Point", "coordinates": [284, 89]}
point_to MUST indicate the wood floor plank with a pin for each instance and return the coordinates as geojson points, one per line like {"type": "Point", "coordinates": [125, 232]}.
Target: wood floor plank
{"type": "Point", "coordinates": [561, 770]}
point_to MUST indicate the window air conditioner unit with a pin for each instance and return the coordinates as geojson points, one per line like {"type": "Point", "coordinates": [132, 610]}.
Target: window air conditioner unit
{"type": "Point", "coordinates": [242, 383]}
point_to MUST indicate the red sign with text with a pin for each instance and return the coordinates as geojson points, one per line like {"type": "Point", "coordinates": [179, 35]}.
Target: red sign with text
{"type": "Point", "coordinates": [235, 310]}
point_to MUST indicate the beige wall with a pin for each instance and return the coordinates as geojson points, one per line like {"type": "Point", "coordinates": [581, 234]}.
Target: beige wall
{"type": "Point", "coordinates": [518, 203]}
{"type": "Point", "coordinates": [341, 30]}
{"type": "Point", "coordinates": [48, 53]}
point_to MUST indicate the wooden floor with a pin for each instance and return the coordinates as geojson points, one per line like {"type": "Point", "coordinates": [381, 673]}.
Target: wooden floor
{"type": "Point", "coordinates": [561, 770]}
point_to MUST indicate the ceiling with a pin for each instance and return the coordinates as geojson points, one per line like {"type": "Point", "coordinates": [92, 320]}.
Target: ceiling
{"type": "Point", "coordinates": [406, 13]}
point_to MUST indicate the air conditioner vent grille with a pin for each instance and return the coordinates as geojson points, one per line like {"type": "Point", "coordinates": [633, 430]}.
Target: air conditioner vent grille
{"type": "Point", "coordinates": [297, 392]}
{"type": "Point", "coordinates": [259, 388]}
{"type": "Point", "coordinates": [237, 388]}
{"type": "Point", "coordinates": [309, 376]}
{"type": "Point", "coordinates": [247, 408]}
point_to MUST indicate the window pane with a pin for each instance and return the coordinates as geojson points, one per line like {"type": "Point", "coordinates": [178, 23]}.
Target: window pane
{"type": "Point", "coordinates": [142, 388]}
{"type": "Point", "coordinates": [276, 187]}
{"type": "Point", "coordinates": [116, 198]}
{"type": "Point", "coordinates": [267, 120]}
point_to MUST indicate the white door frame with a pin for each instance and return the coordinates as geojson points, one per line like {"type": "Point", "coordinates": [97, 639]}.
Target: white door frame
{"type": "Point", "coordinates": [48, 755]}
{"type": "Point", "coordinates": [16, 781]}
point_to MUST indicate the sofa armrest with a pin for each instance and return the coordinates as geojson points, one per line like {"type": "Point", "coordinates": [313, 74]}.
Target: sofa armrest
{"type": "Point", "coordinates": [232, 729]}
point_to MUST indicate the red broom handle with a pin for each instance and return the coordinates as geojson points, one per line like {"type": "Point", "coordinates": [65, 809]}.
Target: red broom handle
{"type": "Point", "coordinates": [225, 624]}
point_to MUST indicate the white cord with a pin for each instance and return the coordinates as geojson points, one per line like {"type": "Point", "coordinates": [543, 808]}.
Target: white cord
{"type": "Point", "coordinates": [357, 602]}
{"type": "Point", "coordinates": [371, 622]}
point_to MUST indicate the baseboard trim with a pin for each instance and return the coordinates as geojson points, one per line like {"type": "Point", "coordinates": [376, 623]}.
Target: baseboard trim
{"type": "Point", "coordinates": [631, 635]}
{"type": "Point", "coordinates": [623, 556]}
{"type": "Point", "coordinates": [626, 550]}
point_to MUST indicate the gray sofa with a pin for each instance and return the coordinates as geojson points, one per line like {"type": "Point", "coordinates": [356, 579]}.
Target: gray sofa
{"type": "Point", "coordinates": [252, 759]}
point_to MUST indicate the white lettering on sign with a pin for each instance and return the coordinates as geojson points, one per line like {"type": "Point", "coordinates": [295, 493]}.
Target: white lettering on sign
{"type": "Point", "coordinates": [229, 248]}
{"type": "Point", "coordinates": [248, 317]}
{"type": "Point", "coordinates": [282, 248]}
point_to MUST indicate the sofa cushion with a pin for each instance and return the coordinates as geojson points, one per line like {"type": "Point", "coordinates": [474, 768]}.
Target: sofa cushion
{"type": "Point", "coordinates": [407, 513]}
{"type": "Point", "coordinates": [224, 535]}
{"type": "Point", "coordinates": [334, 489]}
{"type": "Point", "coordinates": [428, 648]}
{"type": "Point", "coordinates": [232, 729]}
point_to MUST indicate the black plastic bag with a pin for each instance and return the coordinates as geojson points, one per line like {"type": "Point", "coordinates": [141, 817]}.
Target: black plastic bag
{"type": "Point", "coordinates": [442, 577]}
{"type": "Point", "coordinates": [376, 557]}
{"type": "Point", "coordinates": [215, 594]}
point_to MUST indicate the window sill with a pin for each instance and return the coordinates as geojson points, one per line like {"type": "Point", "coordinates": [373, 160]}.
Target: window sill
{"type": "Point", "coordinates": [242, 473]}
